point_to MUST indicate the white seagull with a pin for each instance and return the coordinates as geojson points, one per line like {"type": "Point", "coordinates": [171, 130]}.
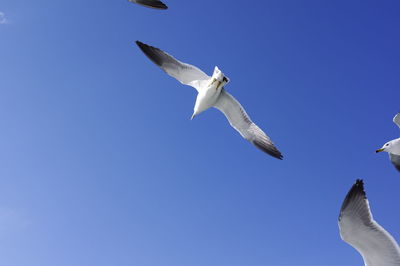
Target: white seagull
{"type": "Point", "coordinates": [362, 232]}
{"type": "Point", "coordinates": [393, 147]}
{"type": "Point", "coordinates": [150, 3]}
{"type": "Point", "coordinates": [211, 93]}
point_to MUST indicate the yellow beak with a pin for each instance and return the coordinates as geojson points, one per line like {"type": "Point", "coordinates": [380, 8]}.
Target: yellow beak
{"type": "Point", "coordinates": [379, 150]}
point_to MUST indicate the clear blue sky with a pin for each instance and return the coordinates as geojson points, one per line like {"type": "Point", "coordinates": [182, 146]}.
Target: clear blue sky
{"type": "Point", "coordinates": [100, 164]}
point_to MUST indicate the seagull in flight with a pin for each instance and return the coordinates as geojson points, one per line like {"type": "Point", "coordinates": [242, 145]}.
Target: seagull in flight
{"type": "Point", "coordinates": [362, 232]}
{"type": "Point", "coordinates": [393, 147]}
{"type": "Point", "coordinates": [211, 93]}
{"type": "Point", "coordinates": [150, 3]}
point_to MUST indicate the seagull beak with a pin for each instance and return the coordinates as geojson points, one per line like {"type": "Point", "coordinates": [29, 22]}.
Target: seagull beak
{"type": "Point", "coordinates": [379, 150]}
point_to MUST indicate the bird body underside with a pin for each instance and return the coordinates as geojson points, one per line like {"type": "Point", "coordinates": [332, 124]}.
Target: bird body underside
{"type": "Point", "coordinates": [395, 159]}
{"type": "Point", "coordinates": [207, 97]}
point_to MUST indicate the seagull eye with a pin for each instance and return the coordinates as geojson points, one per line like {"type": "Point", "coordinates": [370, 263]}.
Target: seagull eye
{"type": "Point", "coordinates": [387, 144]}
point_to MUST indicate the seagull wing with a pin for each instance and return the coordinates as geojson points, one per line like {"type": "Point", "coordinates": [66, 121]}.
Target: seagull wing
{"type": "Point", "coordinates": [395, 159]}
{"type": "Point", "coordinates": [396, 119]}
{"type": "Point", "coordinates": [240, 121]}
{"type": "Point", "coordinates": [359, 229]}
{"type": "Point", "coordinates": [150, 3]}
{"type": "Point", "coordinates": [184, 73]}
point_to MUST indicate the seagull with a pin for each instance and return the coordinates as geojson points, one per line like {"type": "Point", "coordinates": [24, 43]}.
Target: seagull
{"type": "Point", "coordinates": [359, 229]}
{"type": "Point", "coordinates": [211, 93]}
{"type": "Point", "coordinates": [393, 147]}
{"type": "Point", "coordinates": [150, 3]}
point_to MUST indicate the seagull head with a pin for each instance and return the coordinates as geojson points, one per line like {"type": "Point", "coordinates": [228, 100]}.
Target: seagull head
{"type": "Point", "coordinates": [219, 77]}
{"type": "Point", "coordinates": [392, 146]}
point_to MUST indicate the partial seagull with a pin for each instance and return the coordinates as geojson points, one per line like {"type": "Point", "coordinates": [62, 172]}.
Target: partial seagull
{"type": "Point", "coordinates": [211, 93]}
{"type": "Point", "coordinates": [393, 147]}
{"type": "Point", "coordinates": [150, 3]}
{"type": "Point", "coordinates": [362, 232]}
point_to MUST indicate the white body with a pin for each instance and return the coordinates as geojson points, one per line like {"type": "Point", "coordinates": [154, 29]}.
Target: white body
{"type": "Point", "coordinates": [209, 92]}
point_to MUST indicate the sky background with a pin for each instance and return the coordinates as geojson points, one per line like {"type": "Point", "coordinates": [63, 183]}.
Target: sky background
{"type": "Point", "coordinates": [100, 164]}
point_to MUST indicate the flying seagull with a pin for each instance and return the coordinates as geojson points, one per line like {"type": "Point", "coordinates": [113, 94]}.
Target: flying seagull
{"type": "Point", "coordinates": [393, 147]}
{"type": "Point", "coordinates": [150, 3]}
{"type": "Point", "coordinates": [359, 229]}
{"type": "Point", "coordinates": [211, 93]}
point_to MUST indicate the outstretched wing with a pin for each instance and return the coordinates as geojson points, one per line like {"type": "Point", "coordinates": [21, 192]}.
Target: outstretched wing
{"type": "Point", "coordinates": [150, 3]}
{"type": "Point", "coordinates": [240, 121]}
{"type": "Point", "coordinates": [184, 73]}
{"type": "Point", "coordinates": [396, 119]}
{"type": "Point", "coordinates": [357, 228]}
{"type": "Point", "coordinates": [395, 159]}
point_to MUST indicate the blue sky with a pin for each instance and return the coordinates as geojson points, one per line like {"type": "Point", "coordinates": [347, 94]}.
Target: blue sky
{"type": "Point", "coordinates": [100, 164]}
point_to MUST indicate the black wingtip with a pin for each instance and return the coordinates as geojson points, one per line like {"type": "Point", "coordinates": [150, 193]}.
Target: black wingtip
{"type": "Point", "coordinates": [142, 46]}
{"type": "Point", "coordinates": [159, 5]}
{"type": "Point", "coordinates": [139, 43]}
{"type": "Point", "coordinates": [357, 190]}
{"type": "Point", "coordinates": [151, 4]}
{"type": "Point", "coordinates": [359, 186]}
{"type": "Point", "coordinates": [151, 52]}
{"type": "Point", "coordinates": [274, 152]}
